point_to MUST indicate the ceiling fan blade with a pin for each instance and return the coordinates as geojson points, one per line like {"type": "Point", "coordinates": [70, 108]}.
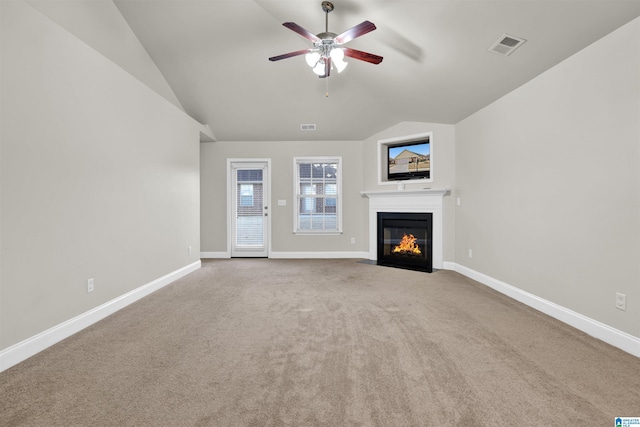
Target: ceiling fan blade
{"type": "Point", "coordinates": [362, 56]}
{"type": "Point", "coordinates": [290, 54]}
{"type": "Point", "coordinates": [327, 68]}
{"type": "Point", "coordinates": [302, 31]}
{"type": "Point", "coordinates": [357, 31]}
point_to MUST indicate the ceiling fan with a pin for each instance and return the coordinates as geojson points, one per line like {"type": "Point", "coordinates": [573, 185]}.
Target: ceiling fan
{"type": "Point", "coordinates": [327, 48]}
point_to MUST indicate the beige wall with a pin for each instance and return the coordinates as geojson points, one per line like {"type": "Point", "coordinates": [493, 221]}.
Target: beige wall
{"type": "Point", "coordinates": [99, 178]}
{"type": "Point", "coordinates": [443, 169]}
{"type": "Point", "coordinates": [549, 180]}
{"type": "Point", "coordinates": [213, 163]}
{"type": "Point", "coordinates": [100, 24]}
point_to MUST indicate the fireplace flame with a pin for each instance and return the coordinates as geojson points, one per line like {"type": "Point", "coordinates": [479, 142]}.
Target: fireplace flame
{"type": "Point", "coordinates": [407, 246]}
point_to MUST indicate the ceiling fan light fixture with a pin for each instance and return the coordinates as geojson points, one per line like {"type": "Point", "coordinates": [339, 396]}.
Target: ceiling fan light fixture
{"type": "Point", "coordinates": [319, 68]}
{"type": "Point", "coordinates": [312, 59]}
{"type": "Point", "coordinates": [337, 59]}
{"type": "Point", "coordinates": [337, 54]}
{"type": "Point", "coordinates": [340, 65]}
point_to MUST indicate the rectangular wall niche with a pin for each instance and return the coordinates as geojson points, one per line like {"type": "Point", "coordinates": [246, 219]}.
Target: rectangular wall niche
{"type": "Point", "coordinates": [406, 159]}
{"type": "Point", "coordinates": [405, 240]}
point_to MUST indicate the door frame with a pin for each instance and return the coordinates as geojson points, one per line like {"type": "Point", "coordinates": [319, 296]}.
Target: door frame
{"type": "Point", "coordinates": [230, 201]}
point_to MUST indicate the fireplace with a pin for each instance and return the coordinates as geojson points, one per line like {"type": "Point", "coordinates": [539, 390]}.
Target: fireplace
{"type": "Point", "coordinates": [425, 200]}
{"type": "Point", "coordinates": [405, 240]}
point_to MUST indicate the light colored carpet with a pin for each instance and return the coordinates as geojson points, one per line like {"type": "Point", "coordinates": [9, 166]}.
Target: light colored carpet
{"type": "Point", "coordinates": [258, 342]}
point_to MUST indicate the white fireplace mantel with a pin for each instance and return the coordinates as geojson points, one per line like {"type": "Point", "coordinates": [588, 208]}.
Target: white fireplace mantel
{"type": "Point", "coordinates": [404, 193]}
{"type": "Point", "coordinates": [426, 200]}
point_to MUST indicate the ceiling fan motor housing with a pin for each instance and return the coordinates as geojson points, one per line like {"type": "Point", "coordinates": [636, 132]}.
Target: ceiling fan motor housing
{"type": "Point", "coordinates": [326, 44]}
{"type": "Point", "coordinates": [326, 37]}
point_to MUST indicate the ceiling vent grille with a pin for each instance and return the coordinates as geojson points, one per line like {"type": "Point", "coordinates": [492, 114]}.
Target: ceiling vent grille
{"type": "Point", "coordinates": [506, 44]}
{"type": "Point", "coordinates": [308, 126]}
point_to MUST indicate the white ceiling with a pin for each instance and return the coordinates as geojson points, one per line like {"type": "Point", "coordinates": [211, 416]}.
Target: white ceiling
{"type": "Point", "coordinates": [436, 68]}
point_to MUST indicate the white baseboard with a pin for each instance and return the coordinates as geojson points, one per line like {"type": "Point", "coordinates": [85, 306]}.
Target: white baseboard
{"type": "Point", "coordinates": [23, 350]}
{"type": "Point", "coordinates": [447, 265]}
{"type": "Point", "coordinates": [215, 255]}
{"type": "Point", "coordinates": [319, 255]}
{"type": "Point", "coordinates": [295, 255]}
{"type": "Point", "coordinates": [601, 331]}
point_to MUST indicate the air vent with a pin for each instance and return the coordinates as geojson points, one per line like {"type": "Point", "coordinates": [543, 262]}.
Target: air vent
{"type": "Point", "coordinates": [506, 44]}
{"type": "Point", "coordinates": [308, 126]}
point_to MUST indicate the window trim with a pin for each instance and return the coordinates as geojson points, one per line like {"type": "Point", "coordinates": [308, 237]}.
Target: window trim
{"type": "Point", "coordinates": [296, 196]}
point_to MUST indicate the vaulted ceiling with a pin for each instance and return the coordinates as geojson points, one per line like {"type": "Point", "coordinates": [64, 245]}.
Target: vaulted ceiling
{"type": "Point", "coordinates": [436, 68]}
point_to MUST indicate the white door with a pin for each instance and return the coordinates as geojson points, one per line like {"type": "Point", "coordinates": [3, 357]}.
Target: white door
{"type": "Point", "coordinates": [249, 208]}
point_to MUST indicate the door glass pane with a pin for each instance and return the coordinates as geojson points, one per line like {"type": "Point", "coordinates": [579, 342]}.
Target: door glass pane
{"type": "Point", "coordinates": [246, 195]}
{"type": "Point", "coordinates": [249, 208]}
{"type": "Point", "coordinates": [249, 175]}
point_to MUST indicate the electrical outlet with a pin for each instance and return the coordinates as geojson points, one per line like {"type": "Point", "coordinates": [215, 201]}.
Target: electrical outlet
{"type": "Point", "coordinates": [353, 240]}
{"type": "Point", "coordinates": [621, 301]}
{"type": "Point", "coordinates": [470, 253]}
{"type": "Point", "coordinates": [90, 285]}
{"type": "Point", "coordinates": [189, 250]}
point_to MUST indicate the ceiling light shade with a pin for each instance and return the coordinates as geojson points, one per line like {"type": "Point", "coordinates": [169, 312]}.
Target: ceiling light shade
{"type": "Point", "coordinates": [340, 65]}
{"type": "Point", "coordinates": [337, 54]}
{"type": "Point", "coordinates": [312, 58]}
{"type": "Point", "coordinates": [337, 58]}
{"type": "Point", "coordinates": [319, 68]}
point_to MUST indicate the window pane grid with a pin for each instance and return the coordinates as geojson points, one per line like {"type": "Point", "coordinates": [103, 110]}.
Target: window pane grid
{"type": "Point", "coordinates": [317, 195]}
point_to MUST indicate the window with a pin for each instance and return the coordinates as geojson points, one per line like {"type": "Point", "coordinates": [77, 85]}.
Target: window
{"type": "Point", "coordinates": [318, 195]}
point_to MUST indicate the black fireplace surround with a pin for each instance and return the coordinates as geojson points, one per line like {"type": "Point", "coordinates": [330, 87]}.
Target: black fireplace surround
{"type": "Point", "coordinates": [405, 240]}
